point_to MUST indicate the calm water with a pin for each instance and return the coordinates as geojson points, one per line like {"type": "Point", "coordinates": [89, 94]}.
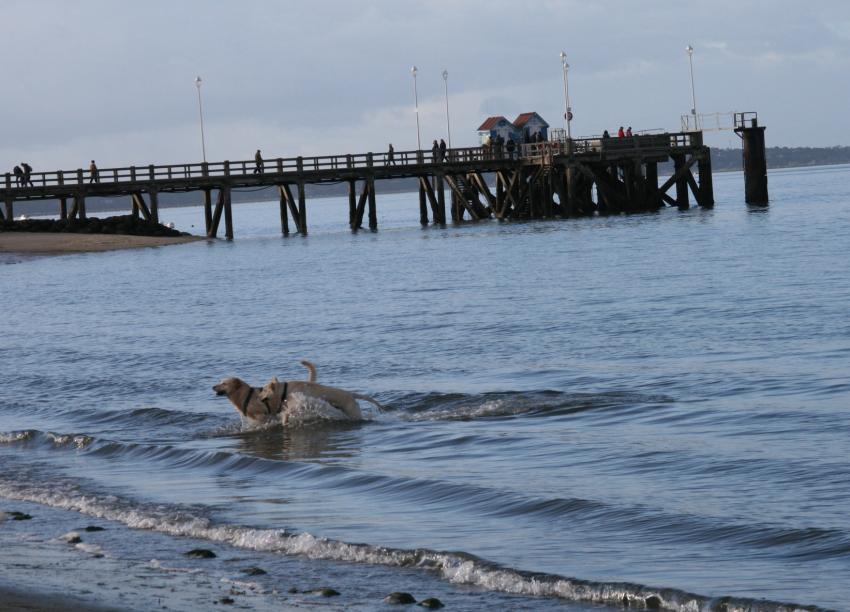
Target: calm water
{"type": "Point", "coordinates": [579, 410]}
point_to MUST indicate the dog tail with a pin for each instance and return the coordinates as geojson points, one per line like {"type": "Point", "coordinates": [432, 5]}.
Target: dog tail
{"type": "Point", "coordinates": [311, 368]}
{"type": "Point", "coordinates": [366, 398]}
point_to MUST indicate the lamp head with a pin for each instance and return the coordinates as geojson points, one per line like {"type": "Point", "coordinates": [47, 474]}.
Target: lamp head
{"type": "Point", "coordinates": [198, 82]}
{"type": "Point", "coordinates": [413, 71]}
{"type": "Point", "coordinates": [445, 74]}
{"type": "Point", "coordinates": [690, 50]}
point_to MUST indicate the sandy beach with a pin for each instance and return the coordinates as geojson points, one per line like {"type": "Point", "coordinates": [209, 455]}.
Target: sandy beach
{"type": "Point", "coordinates": [59, 243]}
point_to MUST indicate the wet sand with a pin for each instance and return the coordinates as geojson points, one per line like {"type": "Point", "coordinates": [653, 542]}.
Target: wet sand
{"type": "Point", "coordinates": [59, 243]}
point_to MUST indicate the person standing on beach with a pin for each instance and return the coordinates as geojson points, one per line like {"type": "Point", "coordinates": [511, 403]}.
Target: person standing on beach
{"type": "Point", "coordinates": [27, 174]}
{"type": "Point", "coordinates": [19, 176]}
{"type": "Point", "coordinates": [258, 160]}
{"type": "Point", "coordinates": [94, 177]}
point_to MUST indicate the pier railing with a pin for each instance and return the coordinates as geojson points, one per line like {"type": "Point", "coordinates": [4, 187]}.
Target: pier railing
{"type": "Point", "coordinates": [602, 147]}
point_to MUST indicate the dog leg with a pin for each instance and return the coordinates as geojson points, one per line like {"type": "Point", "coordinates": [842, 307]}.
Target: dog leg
{"type": "Point", "coordinates": [366, 398]}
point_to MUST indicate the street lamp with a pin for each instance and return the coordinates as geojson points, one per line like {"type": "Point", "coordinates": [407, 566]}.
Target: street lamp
{"type": "Point", "coordinates": [201, 113]}
{"type": "Point", "coordinates": [568, 112]}
{"type": "Point", "coordinates": [448, 123]}
{"type": "Point", "coordinates": [690, 51]}
{"type": "Point", "coordinates": [413, 71]}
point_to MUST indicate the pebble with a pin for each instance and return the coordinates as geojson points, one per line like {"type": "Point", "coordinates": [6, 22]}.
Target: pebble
{"type": "Point", "coordinates": [399, 597]}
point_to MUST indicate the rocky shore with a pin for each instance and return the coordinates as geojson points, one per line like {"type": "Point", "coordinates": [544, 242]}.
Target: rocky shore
{"type": "Point", "coordinates": [56, 236]}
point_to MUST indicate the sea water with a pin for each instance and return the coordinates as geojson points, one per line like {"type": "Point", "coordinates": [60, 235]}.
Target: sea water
{"type": "Point", "coordinates": [649, 409]}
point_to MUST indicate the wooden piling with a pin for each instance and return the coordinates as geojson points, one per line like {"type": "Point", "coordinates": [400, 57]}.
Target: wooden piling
{"type": "Point", "coordinates": [302, 208]}
{"type": "Point", "coordinates": [373, 212]}
{"type": "Point", "coordinates": [441, 199]}
{"type": "Point", "coordinates": [207, 210]}
{"type": "Point", "coordinates": [706, 182]}
{"type": "Point", "coordinates": [755, 164]}
{"type": "Point", "coordinates": [352, 204]}
{"type": "Point", "coordinates": [284, 215]}
{"type": "Point", "coordinates": [423, 205]}
{"type": "Point", "coordinates": [680, 170]}
{"type": "Point", "coordinates": [228, 213]}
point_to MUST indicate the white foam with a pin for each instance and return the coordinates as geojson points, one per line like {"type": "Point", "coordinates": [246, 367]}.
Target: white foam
{"type": "Point", "coordinates": [80, 441]}
{"type": "Point", "coordinates": [14, 436]}
{"type": "Point", "coordinates": [302, 411]}
{"type": "Point", "coordinates": [92, 549]}
{"type": "Point", "coordinates": [453, 567]}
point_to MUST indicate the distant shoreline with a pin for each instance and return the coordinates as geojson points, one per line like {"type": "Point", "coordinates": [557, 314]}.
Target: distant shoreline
{"type": "Point", "coordinates": [62, 243]}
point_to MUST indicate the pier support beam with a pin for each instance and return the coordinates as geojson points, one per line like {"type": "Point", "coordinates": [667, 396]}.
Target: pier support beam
{"type": "Point", "coordinates": [755, 164]}
{"type": "Point", "coordinates": [352, 204]}
{"type": "Point", "coordinates": [63, 208]}
{"type": "Point", "coordinates": [207, 210]}
{"type": "Point", "coordinates": [680, 171]}
{"type": "Point", "coordinates": [302, 208]}
{"type": "Point", "coordinates": [284, 215]}
{"type": "Point", "coordinates": [373, 213]}
{"type": "Point", "coordinates": [706, 183]}
{"type": "Point", "coordinates": [228, 213]}
{"type": "Point", "coordinates": [423, 205]}
{"type": "Point", "coordinates": [441, 198]}
{"type": "Point", "coordinates": [154, 197]}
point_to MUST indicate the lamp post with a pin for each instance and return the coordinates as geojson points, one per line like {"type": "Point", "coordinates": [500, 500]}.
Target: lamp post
{"type": "Point", "coordinates": [201, 113]}
{"type": "Point", "coordinates": [413, 71]}
{"type": "Point", "coordinates": [448, 122]}
{"type": "Point", "coordinates": [690, 51]}
{"type": "Point", "coordinates": [568, 112]}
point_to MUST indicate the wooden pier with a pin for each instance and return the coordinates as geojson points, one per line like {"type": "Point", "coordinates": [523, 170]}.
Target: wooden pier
{"type": "Point", "coordinates": [566, 178]}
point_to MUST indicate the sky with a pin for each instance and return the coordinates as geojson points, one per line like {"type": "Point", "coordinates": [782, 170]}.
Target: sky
{"type": "Point", "coordinates": [114, 80]}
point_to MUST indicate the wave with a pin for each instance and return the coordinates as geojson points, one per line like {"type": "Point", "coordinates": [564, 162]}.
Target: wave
{"type": "Point", "coordinates": [602, 517]}
{"type": "Point", "coordinates": [455, 567]}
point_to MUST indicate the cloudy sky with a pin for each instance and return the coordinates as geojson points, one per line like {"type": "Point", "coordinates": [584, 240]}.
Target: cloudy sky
{"type": "Point", "coordinates": [113, 80]}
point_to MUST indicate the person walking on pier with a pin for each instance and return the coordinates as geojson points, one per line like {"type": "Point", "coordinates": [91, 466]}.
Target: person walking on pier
{"type": "Point", "coordinates": [435, 151]}
{"type": "Point", "coordinates": [510, 147]}
{"type": "Point", "coordinates": [391, 155]}
{"type": "Point", "coordinates": [94, 176]}
{"type": "Point", "coordinates": [258, 161]}
{"type": "Point", "coordinates": [27, 176]}
{"type": "Point", "coordinates": [19, 176]}
{"type": "Point", "coordinates": [629, 132]}
{"type": "Point", "coordinates": [443, 149]}
{"type": "Point", "coordinates": [621, 132]}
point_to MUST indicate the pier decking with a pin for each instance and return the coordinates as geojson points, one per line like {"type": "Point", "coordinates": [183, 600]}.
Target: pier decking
{"type": "Point", "coordinates": [563, 178]}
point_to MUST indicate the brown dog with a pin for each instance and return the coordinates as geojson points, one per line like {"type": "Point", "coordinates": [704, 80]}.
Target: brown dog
{"type": "Point", "coordinates": [275, 394]}
{"type": "Point", "coordinates": [247, 399]}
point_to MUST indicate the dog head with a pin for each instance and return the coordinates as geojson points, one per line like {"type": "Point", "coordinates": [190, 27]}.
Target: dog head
{"type": "Point", "coordinates": [271, 393]}
{"type": "Point", "coordinates": [228, 386]}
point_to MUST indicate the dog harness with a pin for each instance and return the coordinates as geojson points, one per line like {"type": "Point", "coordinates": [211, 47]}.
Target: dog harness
{"type": "Point", "coordinates": [246, 401]}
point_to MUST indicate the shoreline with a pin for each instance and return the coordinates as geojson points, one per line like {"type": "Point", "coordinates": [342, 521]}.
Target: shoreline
{"type": "Point", "coordinates": [45, 243]}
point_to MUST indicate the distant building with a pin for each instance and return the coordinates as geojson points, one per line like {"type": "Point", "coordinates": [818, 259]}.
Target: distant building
{"type": "Point", "coordinates": [498, 126]}
{"type": "Point", "coordinates": [531, 124]}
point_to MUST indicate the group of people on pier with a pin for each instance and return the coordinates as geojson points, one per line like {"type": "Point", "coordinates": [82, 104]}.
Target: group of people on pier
{"type": "Point", "coordinates": [621, 133]}
{"type": "Point", "coordinates": [23, 174]}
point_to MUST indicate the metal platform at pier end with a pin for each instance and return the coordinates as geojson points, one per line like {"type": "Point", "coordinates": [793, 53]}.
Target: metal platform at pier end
{"type": "Point", "coordinates": [555, 178]}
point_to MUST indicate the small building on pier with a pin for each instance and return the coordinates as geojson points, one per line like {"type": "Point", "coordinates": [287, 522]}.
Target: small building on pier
{"type": "Point", "coordinates": [530, 125]}
{"type": "Point", "coordinates": [494, 127]}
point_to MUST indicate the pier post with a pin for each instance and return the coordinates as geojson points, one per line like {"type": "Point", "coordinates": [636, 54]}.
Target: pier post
{"type": "Point", "coordinates": [302, 207]}
{"type": "Point", "coordinates": [423, 206]}
{"type": "Point", "coordinates": [755, 164]}
{"type": "Point", "coordinates": [207, 210]}
{"type": "Point", "coordinates": [154, 196]}
{"type": "Point", "coordinates": [441, 199]}
{"type": "Point", "coordinates": [352, 203]}
{"type": "Point", "coordinates": [373, 212]}
{"type": "Point", "coordinates": [228, 214]}
{"type": "Point", "coordinates": [682, 200]}
{"type": "Point", "coordinates": [284, 215]}
{"type": "Point", "coordinates": [652, 185]}
{"type": "Point", "coordinates": [63, 208]}
{"type": "Point", "coordinates": [706, 184]}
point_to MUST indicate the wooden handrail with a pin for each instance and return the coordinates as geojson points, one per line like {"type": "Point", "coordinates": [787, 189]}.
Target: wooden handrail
{"type": "Point", "coordinates": [283, 165]}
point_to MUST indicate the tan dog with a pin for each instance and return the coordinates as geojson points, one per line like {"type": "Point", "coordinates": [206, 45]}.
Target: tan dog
{"type": "Point", "coordinates": [247, 399]}
{"type": "Point", "coordinates": [275, 394]}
